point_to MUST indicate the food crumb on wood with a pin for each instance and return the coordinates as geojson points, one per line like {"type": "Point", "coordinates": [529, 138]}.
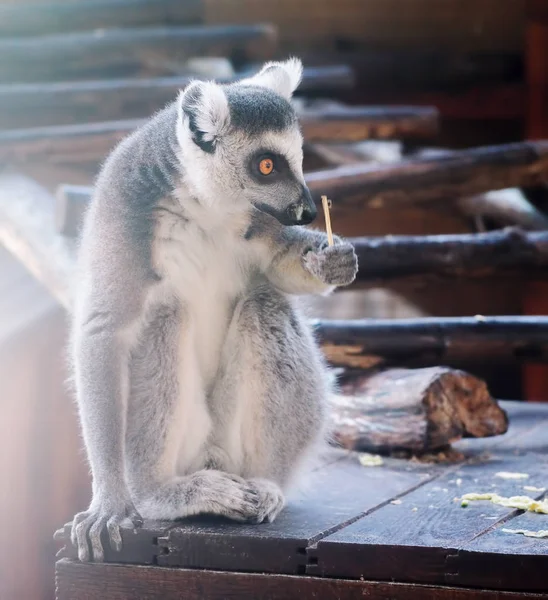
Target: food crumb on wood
{"type": "Point", "coordinates": [542, 533]}
{"type": "Point", "coordinates": [370, 460]}
{"type": "Point", "coordinates": [510, 475]}
{"type": "Point", "coordinates": [480, 318]}
{"type": "Point", "coordinates": [519, 502]}
{"type": "Point", "coordinates": [532, 488]}
{"type": "Point", "coordinates": [395, 501]}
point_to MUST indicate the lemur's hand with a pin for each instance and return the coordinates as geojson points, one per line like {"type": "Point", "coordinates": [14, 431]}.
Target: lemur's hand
{"type": "Point", "coordinates": [88, 526]}
{"type": "Point", "coordinates": [334, 265]}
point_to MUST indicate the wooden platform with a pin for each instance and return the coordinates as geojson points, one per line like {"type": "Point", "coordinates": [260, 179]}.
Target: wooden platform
{"type": "Point", "coordinates": [393, 531]}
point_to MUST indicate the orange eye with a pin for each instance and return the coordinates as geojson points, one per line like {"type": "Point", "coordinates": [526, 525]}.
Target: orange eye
{"type": "Point", "coordinates": [266, 166]}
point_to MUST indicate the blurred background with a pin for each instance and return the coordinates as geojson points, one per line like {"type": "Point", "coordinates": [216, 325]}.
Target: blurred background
{"type": "Point", "coordinates": [385, 81]}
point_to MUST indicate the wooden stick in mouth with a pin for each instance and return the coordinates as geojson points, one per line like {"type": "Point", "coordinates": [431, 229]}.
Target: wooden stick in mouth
{"type": "Point", "coordinates": [326, 206]}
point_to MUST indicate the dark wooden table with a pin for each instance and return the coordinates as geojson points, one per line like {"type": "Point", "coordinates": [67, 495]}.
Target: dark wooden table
{"type": "Point", "coordinates": [394, 531]}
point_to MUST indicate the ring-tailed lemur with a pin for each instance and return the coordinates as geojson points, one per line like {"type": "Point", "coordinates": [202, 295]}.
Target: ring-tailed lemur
{"type": "Point", "coordinates": [199, 385]}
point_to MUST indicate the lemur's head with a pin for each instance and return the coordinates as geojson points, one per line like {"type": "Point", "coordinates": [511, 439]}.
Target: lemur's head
{"type": "Point", "coordinates": [241, 143]}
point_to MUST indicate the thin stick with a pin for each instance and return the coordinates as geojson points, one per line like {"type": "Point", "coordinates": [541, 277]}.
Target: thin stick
{"type": "Point", "coordinates": [326, 204]}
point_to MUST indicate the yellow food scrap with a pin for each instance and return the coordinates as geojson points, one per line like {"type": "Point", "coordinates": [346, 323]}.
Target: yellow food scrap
{"type": "Point", "coordinates": [519, 502]}
{"type": "Point", "coordinates": [543, 533]}
{"type": "Point", "coordinates": [508, 475]}
{"type": "Point", "coordinates": [370, 460]}
{"type": "Point", "coordinates": [532, 488]}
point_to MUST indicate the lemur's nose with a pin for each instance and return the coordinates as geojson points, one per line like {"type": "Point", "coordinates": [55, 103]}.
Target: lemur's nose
{"type": "Point", "coordinates": [304, 211]}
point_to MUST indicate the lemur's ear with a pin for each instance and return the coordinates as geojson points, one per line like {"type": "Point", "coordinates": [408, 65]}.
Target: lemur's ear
{"type": "Point", "coordinates": [281, 77]}
{"type": "Point", "coordinates": [204, 106]}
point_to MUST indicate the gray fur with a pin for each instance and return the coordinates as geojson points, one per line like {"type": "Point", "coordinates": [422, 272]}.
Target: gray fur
{"type": "Point", "coordinates": [199, 384]}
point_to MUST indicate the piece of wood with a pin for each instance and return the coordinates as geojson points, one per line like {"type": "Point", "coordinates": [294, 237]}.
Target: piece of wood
{"type": "Point", "coordinates": [43, 104]}
{"type": "Point", "coordinates": [500, 253]}
{"type": "Point", "coordinates": [93, 141]}
{"type": "Point", "coordinates": [118, 51]}
{"type": "Point", "coordinates": [415, 410]}
{"type": "Point", "coordinates": [207, 542]}
{"type": "Point", "coordinates": [462, 174]}
{"type": "Point", "coordinates": [430, 341]}
{"type": "Point", "coordinates": [45, 17]}
{"type": "Point", "coordinates": [76, 581]}
{"type": "Point", "coordinates": [424, 545]}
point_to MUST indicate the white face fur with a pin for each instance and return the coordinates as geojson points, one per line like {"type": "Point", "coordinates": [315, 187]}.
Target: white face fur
{"type": "Point", "coordinates": [227, 134]}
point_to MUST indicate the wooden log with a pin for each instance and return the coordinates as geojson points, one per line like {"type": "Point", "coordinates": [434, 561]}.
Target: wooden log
{"type": "Point", "coordinates": [58, 103]}
{"type": "Point", "coordinates": [46, 17]}
{"type": "Point", "coordinates": [497, 253]}
{"type": "Point", "coordinates": [116, 51]}
{"type": "Point", "coordinates": [43, 104]}
{"type": "Point", "coordinates": [461, 174]}
{"type": "Point", "coordinates": [417, 410]}
{"type": "Point", "coordinates": [93, 141]}
{"type": "Point", "coordinates": [364, 344]}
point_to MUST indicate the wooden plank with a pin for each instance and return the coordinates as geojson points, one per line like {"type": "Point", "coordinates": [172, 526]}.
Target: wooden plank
{"type": "Point", "coordinates": [93, 141]}
{"type": "Point", "coordinates": [116, 51]}
{"type": "Point", "coordinates": [51, 17]}
{"type": "Point", "coordinates": [461, 174]}
{"type": "Point", "coordinates": [496, 552]}
{"type": "Point", "coordinates": [338, 493]}
{"type": "Point", "coordinates": [397, 542]}
{"type": "Point", "coordinates": [372, 342]}
{"type": "Point", "coordinates": [42, 104]}
{"type": "Point", "coordinates": [76, 581]}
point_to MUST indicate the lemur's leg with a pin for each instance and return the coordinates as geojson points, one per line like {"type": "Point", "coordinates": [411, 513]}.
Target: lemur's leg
{"type": "Point", "coordinates": [269, 402]}
{"type": "Point", "coordinates": [168, 427]}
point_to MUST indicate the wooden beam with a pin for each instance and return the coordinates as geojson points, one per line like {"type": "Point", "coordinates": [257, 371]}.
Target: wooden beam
{"type": "Point", "coordinates": [43, 104]}
{"type": "Point", "coordinates": [429, 341]}
{"type": "Point", "coordinates": [413, 409]}
{"type": "Point", "coordinates": [497, 253]}
{"type": "Point", "coordinates": [461, 174]}
{"type": "Point", "coordinates": [116, 51]}
{"type": "Point", "coordinates": [340, 123]}
{"type": "Point", "coordinates": [53, 17]}
{"type": "Point", "coordinates": [93, 141]}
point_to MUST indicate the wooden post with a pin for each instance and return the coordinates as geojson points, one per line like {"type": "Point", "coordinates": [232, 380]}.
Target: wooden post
{"type": "Point", "coordinates": [535, 295]}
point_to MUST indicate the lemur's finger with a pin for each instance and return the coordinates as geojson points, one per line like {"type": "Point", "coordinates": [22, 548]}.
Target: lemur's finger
{"type": "Point", "coordinates": [115, 538]}
{"type": "Point", "coordinates": [82, 541]}
{"type": "Point", "coordinates": [78, 518]}
{"type": "Point", "coordinates": [95, 539]}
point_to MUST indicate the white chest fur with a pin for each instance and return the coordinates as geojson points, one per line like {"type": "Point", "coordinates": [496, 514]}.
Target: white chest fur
{"type": "Point", "coordinates": [205, 263]}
